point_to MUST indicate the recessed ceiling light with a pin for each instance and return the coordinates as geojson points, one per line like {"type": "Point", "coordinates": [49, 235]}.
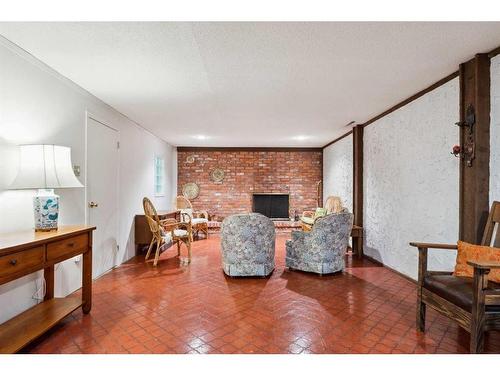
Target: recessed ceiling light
{"type": "Point", "coordinates": [300, 137]}
{"type": "Point", "coordinates": [200, 137]}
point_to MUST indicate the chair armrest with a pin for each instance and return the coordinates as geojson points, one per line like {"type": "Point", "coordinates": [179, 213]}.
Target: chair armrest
{"type": "Point", "coordinates": [201, 214]}
{"type": "Point", "coordinates": [483, 265]}
{"type": "Point", "coordinates": [185, 218]}
{"type": "Point", "coordinates": [298, 235]}
{"type": "Point", "coordinates": [425, 245]}
{"type": "Point", "coordinates": [169, 224]}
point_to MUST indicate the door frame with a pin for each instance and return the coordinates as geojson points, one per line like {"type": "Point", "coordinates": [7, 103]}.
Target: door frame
{"type": "Point", "coordinates": [90, 115]}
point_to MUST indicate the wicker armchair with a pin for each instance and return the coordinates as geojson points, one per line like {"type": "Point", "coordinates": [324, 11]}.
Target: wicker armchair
{"type": "Point", "coordinates": [166, 231]}
{"type": "Point", "coordinates": [199, 219]}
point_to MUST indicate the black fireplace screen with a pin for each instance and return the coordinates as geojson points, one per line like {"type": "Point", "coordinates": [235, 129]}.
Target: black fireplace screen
{"type": "Point", "coordinates": [274, 206]}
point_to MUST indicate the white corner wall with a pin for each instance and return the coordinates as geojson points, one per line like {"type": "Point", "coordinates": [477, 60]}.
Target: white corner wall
{"type": "Point", "coordinates": [37, 105]}
{"type": "Point", "coordinates": [495, 130]}
{"type": "Point", "coordinates": [337, 170]}
{"type": "Point", "coordinates": [411, 181]}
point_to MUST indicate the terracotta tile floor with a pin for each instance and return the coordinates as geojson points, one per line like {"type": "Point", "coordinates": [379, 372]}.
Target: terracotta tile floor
{"type": "Point", "coordinates": [196, 309]}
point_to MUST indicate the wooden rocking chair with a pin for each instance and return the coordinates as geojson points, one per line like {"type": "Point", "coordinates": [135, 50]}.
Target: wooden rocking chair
{"type": "Point", "coordinates": [473, 303]}
{"type": "Point", "coordinates": [165, 231]}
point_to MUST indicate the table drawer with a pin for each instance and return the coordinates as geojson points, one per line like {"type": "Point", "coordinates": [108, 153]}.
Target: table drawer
{"type": "Point", "coordinates": [25, 260]}
{"type": "Point", "coordinates": [68, 247]}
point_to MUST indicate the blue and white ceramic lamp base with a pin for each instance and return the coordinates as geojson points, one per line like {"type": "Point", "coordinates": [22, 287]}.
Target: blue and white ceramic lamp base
{"type": "Point", "coordinates": [46, 210]}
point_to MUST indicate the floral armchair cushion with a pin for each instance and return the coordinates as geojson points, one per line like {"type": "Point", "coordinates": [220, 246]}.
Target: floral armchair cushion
{"type": "Point", "coordinates": [247, 245]}
{"type": "Point", "coordinates": [322, 250]}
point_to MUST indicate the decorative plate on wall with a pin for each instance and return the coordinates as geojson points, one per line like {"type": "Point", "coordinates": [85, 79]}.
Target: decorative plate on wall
{"type": "Point", "coordinates": [190, 159]}
{"type": "Point", "coordinates": [217, 175]}
{"type": "Point", "coordinates": [190, 190]}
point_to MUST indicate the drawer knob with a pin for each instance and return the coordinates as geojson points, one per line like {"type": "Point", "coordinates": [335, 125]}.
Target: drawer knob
{"type": "Point", "coordinates": [13, 262]}
{"type": "Point", "coordinates": [71, 244]}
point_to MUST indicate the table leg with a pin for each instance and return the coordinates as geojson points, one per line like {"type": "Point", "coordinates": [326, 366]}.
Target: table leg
{"type": "Point", "coordinates": [358, 244]}
{"type": "Point", "coordinates": [48, 275]}
{"type": "Point", "coordinates": [87, 279]}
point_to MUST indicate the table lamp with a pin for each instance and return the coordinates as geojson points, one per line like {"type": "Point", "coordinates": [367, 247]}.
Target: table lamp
{"type": "Point", "coordinates": [45, 167]}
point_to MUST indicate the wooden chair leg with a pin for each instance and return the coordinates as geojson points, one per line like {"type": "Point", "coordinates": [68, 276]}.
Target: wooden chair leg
{"type": "Point", "coordinates": [157, 256]}
{"type": "Point", "coordinates": [477, 334]}
{"type": "Point", "coordinates": [178, 248]}
{"type": "Point", "coordinates": [421, 309]}
{"type": "Point", "coordinates": [478, 311]}
{"type": "Point", "coordinates": [188, 244]}
{"type": "Point", "coordinates": [149, 249]}
{"type": "Point", "coordinates": [422, 271]}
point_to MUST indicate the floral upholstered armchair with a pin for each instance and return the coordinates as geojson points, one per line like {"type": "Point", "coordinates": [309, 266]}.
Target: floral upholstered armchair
{"type": "Point", "coordinates": [322, 249]}
{"type": "Point", "coordinates": [247, 245]}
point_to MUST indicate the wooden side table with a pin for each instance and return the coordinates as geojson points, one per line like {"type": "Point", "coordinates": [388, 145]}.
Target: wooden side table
{"type": "Point", "coordinates": [357, 241]}
{"type": "Point", "coordinates": [22, 253]}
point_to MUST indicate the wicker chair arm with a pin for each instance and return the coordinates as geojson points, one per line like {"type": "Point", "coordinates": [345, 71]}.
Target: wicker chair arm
{"type": "Point", "coordinates": [169, 224]}
{"type": "Point", "coordinates": [201, 214]}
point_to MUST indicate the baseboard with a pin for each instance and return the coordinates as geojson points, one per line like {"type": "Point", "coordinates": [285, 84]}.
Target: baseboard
{"type": "Point", "coordinates": [390, 268]}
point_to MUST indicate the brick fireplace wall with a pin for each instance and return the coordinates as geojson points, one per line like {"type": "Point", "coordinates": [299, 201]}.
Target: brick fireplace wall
{"type": "Point", "coordinates": [294, 172]}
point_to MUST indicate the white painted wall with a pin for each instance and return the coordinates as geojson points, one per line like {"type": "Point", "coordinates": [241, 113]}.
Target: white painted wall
{"type": "Point", "coordinates": [337, 171]}
{"type": "Point", "coordinates": [495, 130]}
{"type": "Point", "coordinates": [37, 105]}
{"type": "Point", "coordinates": [411, 181]}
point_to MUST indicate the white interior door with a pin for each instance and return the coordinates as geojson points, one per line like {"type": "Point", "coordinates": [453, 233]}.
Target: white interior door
{"type": "Point", "coordinates": [102, 194]}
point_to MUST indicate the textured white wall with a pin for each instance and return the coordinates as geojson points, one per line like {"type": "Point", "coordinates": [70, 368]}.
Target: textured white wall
{"type": "Point", "coordinates": [337, 171]}
{"type": "Point", "coordinates": [495, 130]}
{"type": "Point", "coordinates": [37, 105]}
{"type": "Point", "coordinates": [411, 181]}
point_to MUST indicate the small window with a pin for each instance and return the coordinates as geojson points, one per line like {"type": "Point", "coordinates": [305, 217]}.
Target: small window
{"type": "Point", "coordinates": [159, 176]}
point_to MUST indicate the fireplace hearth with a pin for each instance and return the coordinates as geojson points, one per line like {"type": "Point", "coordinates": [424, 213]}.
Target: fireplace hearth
{"type": "Point", "coordinates": [275, 206]}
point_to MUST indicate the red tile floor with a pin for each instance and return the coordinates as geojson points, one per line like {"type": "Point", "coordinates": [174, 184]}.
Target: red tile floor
{"type": "Point", "coordinates": [196, 309]}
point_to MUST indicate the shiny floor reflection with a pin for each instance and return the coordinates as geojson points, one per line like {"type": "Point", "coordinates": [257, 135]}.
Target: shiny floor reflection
{"type": "Point", "coordinates": [196, 309]}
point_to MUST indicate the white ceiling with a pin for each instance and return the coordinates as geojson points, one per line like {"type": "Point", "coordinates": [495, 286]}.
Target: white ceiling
{"type": "Point", "coordinates": [253, 84]}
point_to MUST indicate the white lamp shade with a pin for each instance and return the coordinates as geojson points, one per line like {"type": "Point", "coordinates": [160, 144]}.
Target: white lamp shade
{"type": "Point", "coordinates": [45, 167]}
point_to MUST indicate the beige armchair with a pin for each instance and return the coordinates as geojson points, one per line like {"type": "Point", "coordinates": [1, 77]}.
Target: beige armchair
{"type": "Point", "coordinates": [199, 219]}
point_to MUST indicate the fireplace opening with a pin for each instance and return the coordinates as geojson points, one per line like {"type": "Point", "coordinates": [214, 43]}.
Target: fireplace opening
{"type": "Point", "coordinates": [274, 206]}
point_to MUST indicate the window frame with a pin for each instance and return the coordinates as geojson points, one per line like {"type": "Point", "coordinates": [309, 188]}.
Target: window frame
{"type": "Point", "coordinates": [159, 176]}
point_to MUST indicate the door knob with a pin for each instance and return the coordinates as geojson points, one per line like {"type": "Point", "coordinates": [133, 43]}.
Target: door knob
{"type": "Point", "coordinates": [93, 204]}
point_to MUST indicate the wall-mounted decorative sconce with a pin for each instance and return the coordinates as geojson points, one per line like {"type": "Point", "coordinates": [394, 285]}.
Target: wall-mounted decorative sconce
{"type": "Point", "coordinates": [467, 150]}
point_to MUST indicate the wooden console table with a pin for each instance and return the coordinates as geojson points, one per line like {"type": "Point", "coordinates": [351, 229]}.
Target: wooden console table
{"type": "Point", "coordinates": [142, 233]}
{"type": "Point", "coordinates": [22, 253]}
{"type": "Point", "coordinates": [357, 240]}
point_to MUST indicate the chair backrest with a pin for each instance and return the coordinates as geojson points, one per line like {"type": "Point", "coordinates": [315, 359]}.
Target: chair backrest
{"type": "Point", "coordinates": [250, 235]}
{"type": "Point", "coordinates": [333, 205]}
{"type": "Point", "coordinates": [182, 202]}
{"type": "Point", "coordinates": [151, 217]}
{"type": "Point", "coordinates": [331, 232]}
{"type": "Point", "coordinates": [491, 236]}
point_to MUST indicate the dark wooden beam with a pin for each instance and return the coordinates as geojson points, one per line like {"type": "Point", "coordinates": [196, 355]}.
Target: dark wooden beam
{"type": "Point", "coordinates": [338, 139]}
{"type": "Point", "coordinates": [357, 201]}
{"type": "Point", "coordinates": [494, 52]}
{"type": "Point", "coordinates": [413, 97]}
{"type": "Point", "coordinates": [474, 179]}
{"type": "Point", "coordinates": [249, 149]}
